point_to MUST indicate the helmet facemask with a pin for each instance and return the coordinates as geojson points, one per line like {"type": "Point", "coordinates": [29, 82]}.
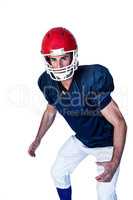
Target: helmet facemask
{"type": "Point", "coordinates": [62, 73]}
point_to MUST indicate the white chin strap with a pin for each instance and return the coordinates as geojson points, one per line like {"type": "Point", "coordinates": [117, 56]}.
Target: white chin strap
{"type": "Point", "coordinates": [63, 73]}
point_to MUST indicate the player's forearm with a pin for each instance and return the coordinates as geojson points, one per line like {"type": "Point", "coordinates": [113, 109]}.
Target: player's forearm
{"type": "Point", "coordinates": [45, 124]}
{"type": "Point", "coordinates": [119, 141]}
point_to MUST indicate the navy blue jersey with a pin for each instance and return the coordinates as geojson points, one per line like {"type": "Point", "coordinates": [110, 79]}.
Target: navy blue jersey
{"type": "Point", "coordinates": [80, 106]}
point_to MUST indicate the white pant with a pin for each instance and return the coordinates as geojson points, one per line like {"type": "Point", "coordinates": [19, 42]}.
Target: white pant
{"type": "Point", "coordinates": [71, 154]}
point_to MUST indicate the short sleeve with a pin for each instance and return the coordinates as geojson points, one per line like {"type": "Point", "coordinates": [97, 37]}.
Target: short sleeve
{"type": "Point", "coordinates": [102, 86]}
{"type": "Point", "coordinates": [45, 88]}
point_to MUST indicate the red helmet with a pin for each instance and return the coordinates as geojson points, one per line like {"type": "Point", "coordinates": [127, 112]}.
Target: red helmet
{"type": "Point", "coordinates": [58, 38]}
{"type": "Point", "coordinates": [59, 41]}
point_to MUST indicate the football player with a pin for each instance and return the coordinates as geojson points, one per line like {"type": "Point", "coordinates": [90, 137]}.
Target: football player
{"type": "Point", "coordinates": [82, 95]}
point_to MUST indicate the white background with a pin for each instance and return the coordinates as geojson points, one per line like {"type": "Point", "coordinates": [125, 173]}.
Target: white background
{"type": "Point", "coordinates": [104, 33]}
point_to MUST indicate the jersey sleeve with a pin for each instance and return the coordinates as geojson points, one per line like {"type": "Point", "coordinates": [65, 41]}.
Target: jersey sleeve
{"type": "Point", "coordinates": [45, 88]}
{"type": "Point", "coordinates": [102, 86]}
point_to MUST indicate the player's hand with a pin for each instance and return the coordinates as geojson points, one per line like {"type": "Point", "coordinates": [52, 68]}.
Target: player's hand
{"type": "Point", "coordinates": [109, 170]}
{"type": "Point", "coordinates": [33, 147]}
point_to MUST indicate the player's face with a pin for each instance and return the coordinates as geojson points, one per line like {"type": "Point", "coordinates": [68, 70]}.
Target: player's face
{"type": "Point", "coordinates": [60, 61]}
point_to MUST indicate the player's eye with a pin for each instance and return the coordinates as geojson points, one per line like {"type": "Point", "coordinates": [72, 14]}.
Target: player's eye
{"type": "Point", "coordinates": [65, 57]}
{"type": "Point", "coordinates": [52, 59]}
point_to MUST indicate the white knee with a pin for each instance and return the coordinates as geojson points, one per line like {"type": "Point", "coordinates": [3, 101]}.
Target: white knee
{"type": "Point", "coordinates": [60, 176]}
{"type": "Point", "coordinates": [55, 173]}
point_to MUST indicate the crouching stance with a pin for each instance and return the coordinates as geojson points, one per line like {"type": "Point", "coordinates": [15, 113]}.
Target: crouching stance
{"type": "Point", "coordinates": [82, 95]}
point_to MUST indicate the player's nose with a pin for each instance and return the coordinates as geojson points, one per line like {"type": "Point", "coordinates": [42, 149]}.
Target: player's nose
{"type": "Point", "coordinates": [59, 63]}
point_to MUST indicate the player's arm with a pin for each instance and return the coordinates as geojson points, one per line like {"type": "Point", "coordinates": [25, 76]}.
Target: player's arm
{"type": "Point", "coordinates": [112, 113]}
{"type": "Point", "coordinates": [46, 121]}
{"type": "Point", "coordinates": [114, 116]}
